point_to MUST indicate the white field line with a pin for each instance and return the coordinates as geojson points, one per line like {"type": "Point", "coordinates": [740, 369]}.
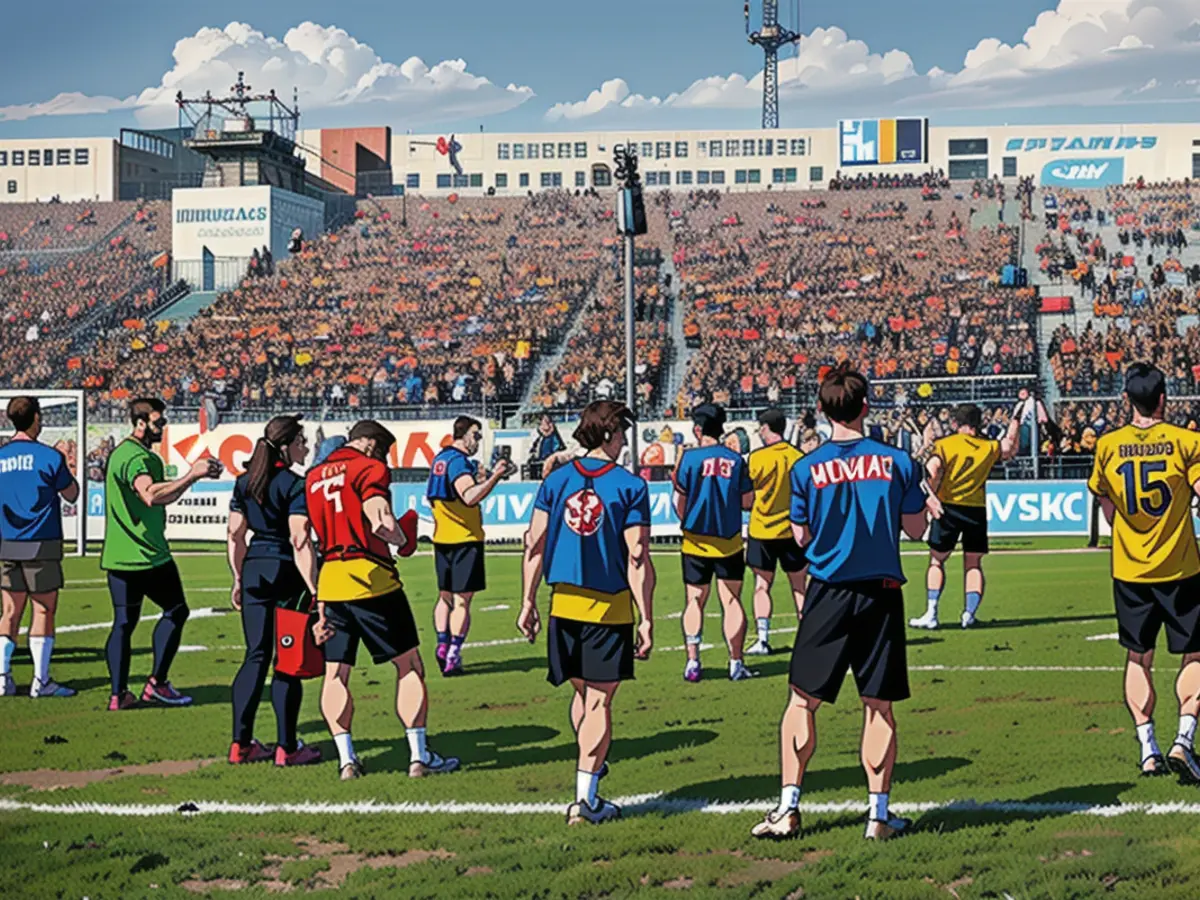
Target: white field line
{"type": "Point", "coordinates": [641, 804]}
{"type": "Point", "coordinates": [1103, 637]}
{"type": "Point", "coordinates": [203, 612]}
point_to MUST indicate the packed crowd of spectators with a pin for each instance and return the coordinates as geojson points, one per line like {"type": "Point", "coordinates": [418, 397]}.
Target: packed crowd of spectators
{"type": "Point", "coordinates": [933, 180]}
{"type": "Point", "coordinates": [32, 227]}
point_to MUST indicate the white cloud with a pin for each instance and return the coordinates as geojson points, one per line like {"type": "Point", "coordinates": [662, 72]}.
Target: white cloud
{"type": "Point", "coordinates": [330, 69]}
{"type": "Point", "coordinates": [1082, 53]}
{"type": "Point", "coordinates": [613, 93]}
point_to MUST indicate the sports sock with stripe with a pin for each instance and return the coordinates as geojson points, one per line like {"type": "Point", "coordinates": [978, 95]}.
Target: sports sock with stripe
{"type": "Point", "coordinates": [417, 750]}
{"type": "Point", "coordinates": [443, 637]}
{"type": "Point", "coordinates": [764, 629]}
{"type": "Point", "coordinates": [7, 646]}
{"type": "Point", "coordinates": [1187, 731]}
{"type": "Point", "coordinates": [931, 599]}
{"type": "Point", "coordinates": [586, 785]}
{"type": "Point", "coordinates": [878, 804]}
{"type": "Point", "coordinates": [40, 649]}
{"type": "Point", "coordinates": [974, 598]}
{"type": "Point", "coordinates": [789, 798]}
{"type": "Point", "coordinates": [345, 749]}
{"type": "Point", "coordinates": [1145, 736]}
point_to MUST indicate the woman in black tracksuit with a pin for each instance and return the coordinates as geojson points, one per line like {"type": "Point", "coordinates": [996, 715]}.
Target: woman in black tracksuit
{"type": "Point", "coordinates": [275, 567]}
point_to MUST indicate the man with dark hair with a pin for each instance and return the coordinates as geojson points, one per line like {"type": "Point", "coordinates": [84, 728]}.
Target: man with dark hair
{"type": "Point", "coordinates": [771, 543]}
{"type": "Point", "coordinates": [958, 472]}
{"type": "Point", "coordinates": [359, 594]}
{"type": "Point", "coordinates": [32, 478]}
{"type": "Point", "coordinates": [136, 554]}
{"type": "Point", "coordinates": [590, 536]}
{"type": "Point", "coordinates": [1146, 475]}
{"type": "Point", "coordinates": [455, 492]}
{"type": "Point", "coordinates": [850, 499]}
{"type": "Point", "coordinates": [712, 487]}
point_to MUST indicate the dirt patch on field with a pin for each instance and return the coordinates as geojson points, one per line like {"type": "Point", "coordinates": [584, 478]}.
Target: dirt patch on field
{"type": "Point", "coordinates": [769, 869]}
{"type": "Point", "coordinates": [1088, 834]}
{"type": "Point", "coordinates": [953, 886]}
{"type": "Point", "coordinates": [342, 863]}
{"type": "Point", "coordinates": [57, 779]}
{"type": "Point", "coordinates": [477, 870]}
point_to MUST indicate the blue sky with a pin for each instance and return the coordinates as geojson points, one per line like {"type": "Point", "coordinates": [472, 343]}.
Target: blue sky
{"type": "Point", "coordinates": [534, 64]}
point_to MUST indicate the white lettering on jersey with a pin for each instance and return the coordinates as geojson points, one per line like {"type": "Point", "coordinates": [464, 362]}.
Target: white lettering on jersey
{"type": "Point", "coordinates": [22, 463]}
{"type": "Point", "coordinates": [717, 468]}
{"type": "Point", "coordinates": [871, 467]}
{"type": "Point", "coordinates": [331, 488]}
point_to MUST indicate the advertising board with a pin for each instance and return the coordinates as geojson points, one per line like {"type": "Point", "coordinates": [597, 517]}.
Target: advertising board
{"type": "Point", "coordinates": [879, 142]}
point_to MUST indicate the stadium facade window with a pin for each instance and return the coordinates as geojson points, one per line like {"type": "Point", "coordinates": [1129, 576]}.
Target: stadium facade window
{"type": "Point", "coordinates": [47, 157]}
{"type": "Point", "coordinates": [601, 177]}
{"type": "Point", "coordinates": [702, 149]}
{"type": "Point", "coordinates": [547, 150]}
{"type": "Point", "coordinates": [765, 147]}
{"type": "Point", "coordinates": [755, 176]}
{"type": "Point", "coordinates": [702, 177]}
{"type": "Point", "coordinates": [551, 179]}
{"type": "Point", "coordinates": [3, 157]}
{"type": "Point", "coordinates": [777, 176]}
{"type": "Point", "coordinates": [716, 149]}
{"type": "Point", "coordinates": [1196, 165]}
{"type": "Point", "coordinates": [523, 180]}
{"type": "Point", "coordinates": [733, 147]}
{"type": "Point", "coordinates": [1196, 143]}
{"type": "Point", "coordinates": [81, 156]}
{"type": "Point", "coordinates": [63, 157]}
{"type": "Point", "coordinates": [967, 169]}
{"type": "Point", "coordinates": [1010, 167]}
{"type": "Point", "coordinates": [12, 187]}
{"type": "Point", "coordinates": [683, 177]}
{"type": "Point", "coordinates": [35, 158]}
{"type": "Point", "coordinates": [790, 176]}
{"type": "Point", "coordinates": [651, 179]}
{"type": "Point", "coordinates": [519, 151]}
{"type": "Point", "coordinates": [969, 147]}
{"type": "Point", "coordinates": [718, 176]}
{"type": "Point", "coordinates": [476, 180]}
{"type": "Point", "coordinates": [799, 147]}
{"type": "Point", "coordinates": [443, 182]}
{"type": "Point", "coordinates": [681, 149]}
{"type": "Point", "coordinates": [647, 150]}
{"type": "Point", "coordinates": [662, 150]}
{"type": "Point", "coordinates": [460, 181]}
{"type": "Point", "coordinates": [501, 180]}
{"type": "Point", "coordinates": [816, 173]}
{"type": "Point", "coordinates": [564, 151]}
{"type": "Point", "coordinates": [503, 151]}
{"type": "Point", "coordinates": [18, 157]}
{"type": "Point", "coordinates": [581, 149]}
{"type": "Point", "coordinates": [413, 180]}
{"type": "Point", "coordinates": [581, 179]}
{"type": "Point", "coordinates": [748, 146]}
{"type": "Point", "coordinates": [739, 176]}
{"type": "Point", "coordinates": [781, 147]}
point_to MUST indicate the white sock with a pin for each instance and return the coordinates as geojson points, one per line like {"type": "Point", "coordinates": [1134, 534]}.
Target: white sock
{"type": "Point", "coordinates": [1145, 736]}
{"type": "Point", "coordinates": [734, 665]}
{"type": "Point", "coordinates": [692, 639]}
{"type": "Point", "coordinates": [789, 797]}
{"type": "Point", "coordinates": [1187, 731]}
{"type": "Point", "coordinates": [878, 804]}
{"type": "Point", "coordinates": [764, 629]}
{"type": "Point", "coordinates": [40, 649]}
{"type": "Point", "coordinates": [417, 751]}
{"type": "Point", "coordinates": [586, 784]}
{"type": "Point", "coordinates": [345, 749]}
{"type": "Point", "coordinates": [7, 646]}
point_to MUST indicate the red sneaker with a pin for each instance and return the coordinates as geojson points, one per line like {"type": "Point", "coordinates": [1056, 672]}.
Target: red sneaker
{"type": "Point", "coordinates": [164, 693]}
{"type": "Point", "coordinates": [303, 755]}
{"type": "Point", "coordinates": [250, 753]}
{"type": "Point", "coordinates": [123, 700]}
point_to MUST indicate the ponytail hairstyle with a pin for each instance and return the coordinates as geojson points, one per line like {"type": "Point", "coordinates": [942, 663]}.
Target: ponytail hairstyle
{"type": "Point", "coordinates": [269, 454]}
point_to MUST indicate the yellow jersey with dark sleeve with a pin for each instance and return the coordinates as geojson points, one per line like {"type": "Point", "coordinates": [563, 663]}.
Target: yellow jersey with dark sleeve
{"type": "Point", "coordinates": [770, 472]}
{"type": "Point", "coordinates": [966, 464]}
{"type": "Point", "coordinates": [453, 521]}
{"type": "Point", "coordinates": [1148, 474]}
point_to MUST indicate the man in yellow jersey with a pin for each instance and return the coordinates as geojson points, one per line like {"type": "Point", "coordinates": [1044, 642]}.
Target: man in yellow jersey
{"type": "Point", "coordinates": [359, 594]}
{"type": "Point", "coordinates": [1145, 476]}
{"type": "Point", "coordinates": [455, 492]}
{"type": "Point", "coordinates": [771, 542]}
{"type": "Point", "coordinates": [958, 473]}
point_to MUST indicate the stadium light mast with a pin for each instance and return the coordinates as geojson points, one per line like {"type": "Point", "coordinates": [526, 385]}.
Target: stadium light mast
{"type": "Point", "coordinates": [771, 37]}
{"type": "Point", "coordinates": [631, 221]}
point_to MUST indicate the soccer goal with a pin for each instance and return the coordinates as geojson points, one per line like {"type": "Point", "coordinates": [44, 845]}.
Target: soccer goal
{"type": "Point", "coordinates": [64, 426]}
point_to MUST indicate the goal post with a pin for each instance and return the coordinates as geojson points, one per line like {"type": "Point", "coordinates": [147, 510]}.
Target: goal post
{"type": "Point", "coordinates": [64, 426]}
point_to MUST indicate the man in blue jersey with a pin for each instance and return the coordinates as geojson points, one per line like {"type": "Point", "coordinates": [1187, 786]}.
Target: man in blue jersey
{"type": "Point", "coordinates": [590, 536]}
{"type": "Point", "coordinates": [850, 499]}
{"type": "Point", "coordinates": [32, 478]}
{"type": "Point", "coordinates": [712, 487]}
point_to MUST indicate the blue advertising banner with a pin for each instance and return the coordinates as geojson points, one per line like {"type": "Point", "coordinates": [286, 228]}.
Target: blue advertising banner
{"type": "Point", "coordinates": [1038, 507]}
{"type": "Point", "coordinates": [1084, 173]}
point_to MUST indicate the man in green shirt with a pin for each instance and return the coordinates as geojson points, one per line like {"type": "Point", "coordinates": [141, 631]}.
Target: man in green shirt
{"type": "Point", "coordinates": [136, 555]}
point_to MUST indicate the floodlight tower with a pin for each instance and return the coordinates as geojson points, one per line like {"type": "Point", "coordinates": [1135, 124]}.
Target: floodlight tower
{"type": "Point", "coordinates": [771, 37]}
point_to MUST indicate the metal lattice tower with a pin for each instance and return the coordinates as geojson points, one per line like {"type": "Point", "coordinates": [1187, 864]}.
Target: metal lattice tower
{"type": "Point", "coordinates": [771, 38]}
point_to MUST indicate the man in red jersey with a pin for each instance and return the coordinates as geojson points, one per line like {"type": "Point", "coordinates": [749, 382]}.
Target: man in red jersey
{"type": "Point", "coordinates": [359, 594]}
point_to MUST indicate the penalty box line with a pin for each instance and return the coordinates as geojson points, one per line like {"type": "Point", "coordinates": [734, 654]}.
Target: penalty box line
{"type": "Point", "coordinates": [637, 804]}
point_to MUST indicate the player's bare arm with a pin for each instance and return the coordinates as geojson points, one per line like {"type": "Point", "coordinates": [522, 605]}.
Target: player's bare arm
{"type": "Point", "coordinates": [642, 579]}
{"type": "Point", "coordinates": [382, 520]}
{"type": "Point", "coordinates": [300, 532]}
{"type": "Point", "coordinates": [1010, 444]}
{"type": "Point", "coordinates": [528, 620]}
{"type": "Point", "coordinates": [236, 546]}
{"type": "Point", "coordinates": [748, 500]}
{"type": "Point", "coordinates": [801, 534]}
{"type": "Point", "coordinates": [164, 493]}
{"type": "Point", "coordinates": [71, 492]}
{"type": "Point", "coordinates": [914, 524]}
{"type": "Point", "coordinates": [473, 493]}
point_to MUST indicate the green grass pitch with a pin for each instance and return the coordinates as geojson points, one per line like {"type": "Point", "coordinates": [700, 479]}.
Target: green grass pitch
{"type": "Point", "coordinates": [1024, 710]}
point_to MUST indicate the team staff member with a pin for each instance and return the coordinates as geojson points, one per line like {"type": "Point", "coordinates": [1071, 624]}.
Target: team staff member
{"type": "Point", "coordinates": [136, 554]}
{"type": "Point", "coordinates": [958, 472]}
{"type": "Point", "coordinates": [771, 543]}
{"type": "Point", "coordinates": [712, 488]}
{"type": "Point", "coordinates": [455, 492]}
{"type": "Point", "coordinates": [277, 565]}
{"type": "Point", "coordinates": [359, 594]}
{"type": "Point", "coordinates": [590, 536]}
{"type": "Point", "coordinates": [850, 499]}
{"type": "Point", "coordinates": [32, 478]}
{"type": "Point", "coordinates": [1146, 475]}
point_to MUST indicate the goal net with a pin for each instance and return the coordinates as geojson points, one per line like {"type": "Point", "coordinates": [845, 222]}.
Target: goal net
{"type": "Point", "coordinates": [64, 426]}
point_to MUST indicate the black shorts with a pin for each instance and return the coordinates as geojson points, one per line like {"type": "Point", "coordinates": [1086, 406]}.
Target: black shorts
{"type": "Point", "coordinates": [967, 522]}
{"type": "Point", "coordinates": [1142, 609]}
{"type": "Point", "coordinates": [700, 570]}
{"type": "Point", "coordinates": [593, 652]}
{"type": "Point", "coordinates": [784, 552]}
{"type": "Point", "coordinates": [384, 624]}
{"type": "Point", "coordinates": [459, 567]}
{"type": "Point", "coordinates": [853, 625]}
